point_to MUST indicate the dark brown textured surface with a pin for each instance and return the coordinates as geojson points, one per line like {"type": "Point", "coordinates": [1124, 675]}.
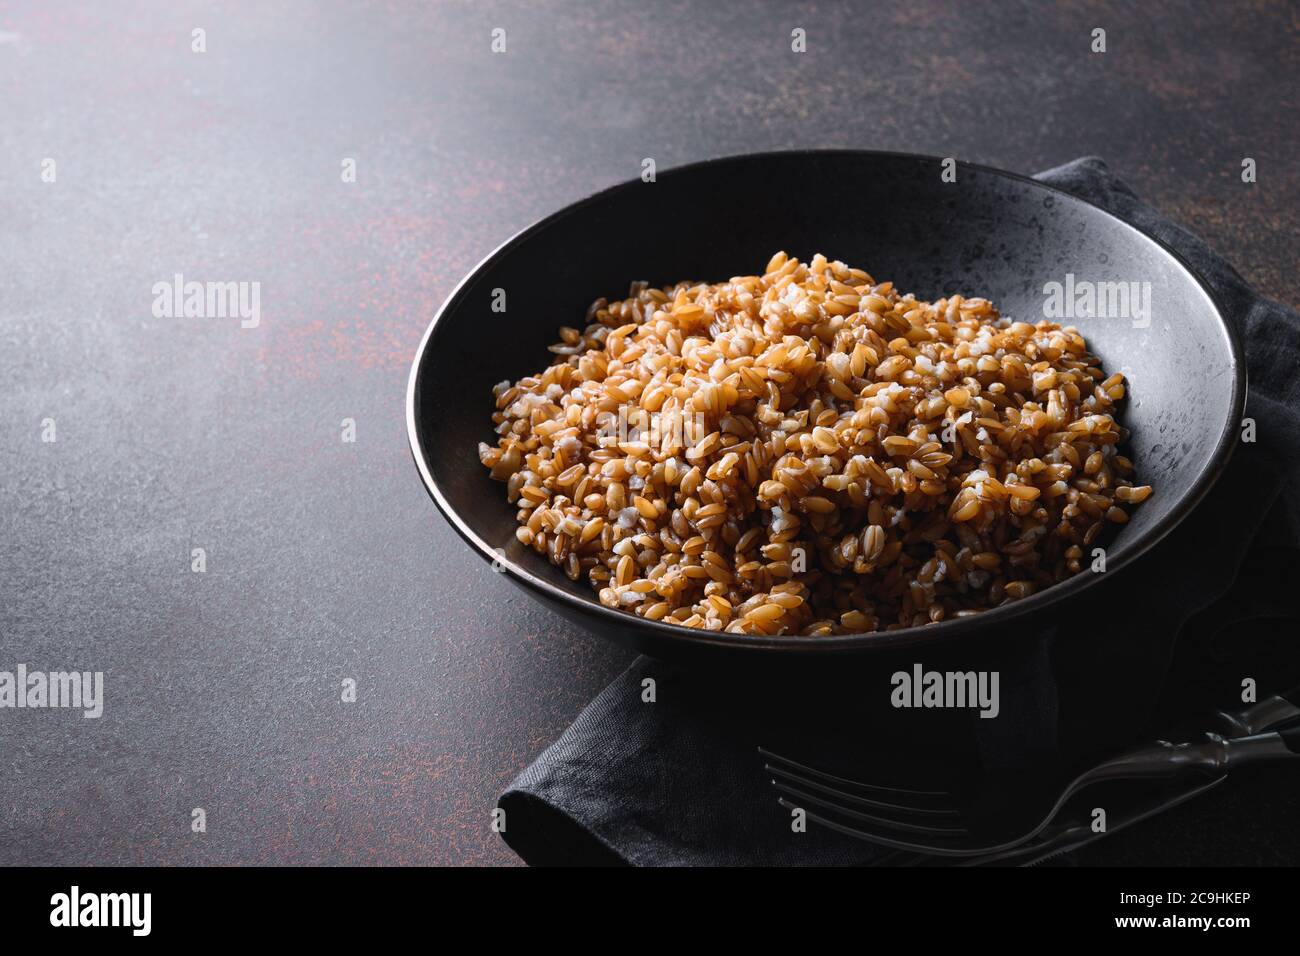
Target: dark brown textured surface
{"type": "Point", "coordinates": [326, 560]}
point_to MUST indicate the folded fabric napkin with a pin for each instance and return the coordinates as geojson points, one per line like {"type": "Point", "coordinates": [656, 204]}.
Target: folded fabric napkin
{"type": "Point", "coordinates": [679, 780]}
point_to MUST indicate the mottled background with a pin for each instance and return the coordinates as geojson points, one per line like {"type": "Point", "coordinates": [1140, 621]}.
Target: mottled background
{"type": "Point", "coordinates": [325, 559]}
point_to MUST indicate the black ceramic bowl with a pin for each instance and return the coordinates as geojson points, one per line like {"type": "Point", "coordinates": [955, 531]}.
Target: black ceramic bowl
{"type": "Point", "coordinates": [989, 233]}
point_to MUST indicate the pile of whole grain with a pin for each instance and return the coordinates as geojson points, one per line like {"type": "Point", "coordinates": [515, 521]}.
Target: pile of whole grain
{"type": "Point", "coordinates": [808, 451]}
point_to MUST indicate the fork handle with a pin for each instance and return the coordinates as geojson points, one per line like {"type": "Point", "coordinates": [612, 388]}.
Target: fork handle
{"type": "Point", "coordinates": [1214, 756]}
{"type": "Point", "coordinates": [1269, 712]}
{"type": "Point", "coordinates": [1291, 737]}
{"type": "Point", "coordinates": [1262, 748]}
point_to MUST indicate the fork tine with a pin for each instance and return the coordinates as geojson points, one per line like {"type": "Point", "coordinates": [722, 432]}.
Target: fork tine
{"type": "Point", "coordinates": [855, 799]}
{"type": "Point", "coordinates": [866, 835]}
{"type": "Point", "coordinates": [832, 778]}
{"type": "Point", "coordinates": [886, 822]}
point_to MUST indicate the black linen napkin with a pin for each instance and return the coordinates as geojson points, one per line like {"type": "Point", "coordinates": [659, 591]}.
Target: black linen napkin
{"type": "Point", "coordinates": [678, 780]}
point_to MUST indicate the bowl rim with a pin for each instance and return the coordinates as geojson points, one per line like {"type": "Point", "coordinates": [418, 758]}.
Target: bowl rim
{"type": "Point", "coordinates": [877, 640]}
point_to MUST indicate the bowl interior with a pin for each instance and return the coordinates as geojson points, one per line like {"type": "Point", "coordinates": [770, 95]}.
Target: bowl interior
{"type": "Point", "coordinates": [988, 233]}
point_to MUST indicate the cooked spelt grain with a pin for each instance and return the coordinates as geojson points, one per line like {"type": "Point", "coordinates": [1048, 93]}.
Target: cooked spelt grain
{"type": "Point", "coordinates": [824, 454]}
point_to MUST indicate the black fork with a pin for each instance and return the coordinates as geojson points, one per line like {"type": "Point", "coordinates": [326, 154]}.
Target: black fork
{"type": "Point", "coordinates": [1005, 812]}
